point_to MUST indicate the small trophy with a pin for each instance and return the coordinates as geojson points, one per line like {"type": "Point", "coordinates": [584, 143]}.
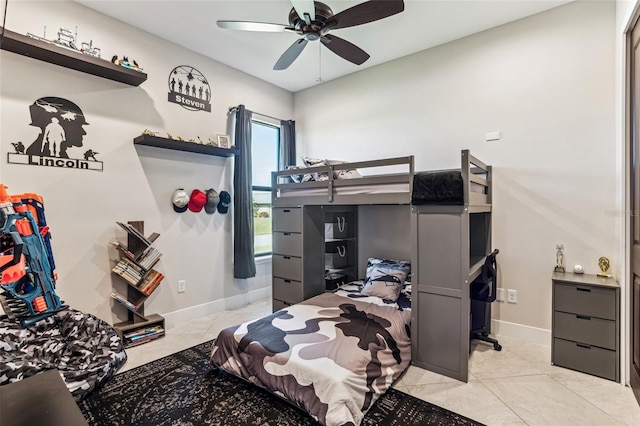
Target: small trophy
{"type": "Point", "coordinates": [559, 258]}
{"type": "Point", "coordinates": [604, 265]}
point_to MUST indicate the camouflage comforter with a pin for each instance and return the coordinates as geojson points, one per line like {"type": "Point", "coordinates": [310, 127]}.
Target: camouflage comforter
{"type": "Point", "coordinates": [332, 355]}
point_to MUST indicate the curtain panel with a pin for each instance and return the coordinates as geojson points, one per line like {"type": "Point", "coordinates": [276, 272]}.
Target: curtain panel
{"type": "Point", "coordinates": [244, 265]}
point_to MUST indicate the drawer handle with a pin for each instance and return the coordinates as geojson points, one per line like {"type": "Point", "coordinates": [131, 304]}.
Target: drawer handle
{"type": "Point", "coordinates": [287, 281]}
{"type": "Point", "coordinates": [287, 233]}
{"type": "Point", "coordinates": [583, 346]}
{"type": "Point", "coordinates": [588, 290]}
{"type": "Point", "coordinates": [286, 211]}
{"type": "Point", "coordinates": [583, 317]}
{"type": "Point", "coordinates": [287, 257]}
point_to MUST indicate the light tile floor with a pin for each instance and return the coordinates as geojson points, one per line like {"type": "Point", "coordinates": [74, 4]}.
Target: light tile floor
{"type": "Point", "coordinates": [516, 386]}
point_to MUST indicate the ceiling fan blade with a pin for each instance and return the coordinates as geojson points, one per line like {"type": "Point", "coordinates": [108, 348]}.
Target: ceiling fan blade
{"type": "Point", "coordinates": [363, 13]}
{"type": "Point", "coordinates": [290, 54]}
{"type": "Point", "coordinates": [254, 26]}
{"type": "Point", "coordinates": [303, 7]}
{"type": "Point", "coordinates": [345, 49]}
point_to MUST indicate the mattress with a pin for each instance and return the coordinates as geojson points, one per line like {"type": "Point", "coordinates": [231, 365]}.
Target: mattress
{"type": "Point", "coordinates": [332, 355]}
{"type": "Point", "coordinates": [396, 188]}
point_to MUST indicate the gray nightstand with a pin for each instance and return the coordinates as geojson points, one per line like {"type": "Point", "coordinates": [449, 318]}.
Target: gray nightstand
{"type": "Point", "coordinates": [585, 325]}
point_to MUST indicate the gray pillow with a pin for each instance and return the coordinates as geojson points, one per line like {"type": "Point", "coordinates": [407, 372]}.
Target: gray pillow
{"type": "Point", "coordinates": [385, 278]}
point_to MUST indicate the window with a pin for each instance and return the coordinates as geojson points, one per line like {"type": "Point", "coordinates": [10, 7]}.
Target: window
{"type": "Point", "coordinates": [265, 151]}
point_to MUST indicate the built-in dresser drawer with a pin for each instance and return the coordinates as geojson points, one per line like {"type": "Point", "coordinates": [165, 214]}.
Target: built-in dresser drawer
{"type": "Point", "coordinates": [289, 267]}
{"type": "Point", "coordinates": [289, 291]}
{"type": "Point", "coordinates": [287, 219]}
{"type": "Point", "coordinates": [585, 358]}
{"type": "Point", "coordinates": [585, 300]}
{"type": "Point", "coordinates": [287, 243]}
{"type": "Point", "coordinates": [279, 304]}
{"type": "Point", "coordinates": [584, 329]}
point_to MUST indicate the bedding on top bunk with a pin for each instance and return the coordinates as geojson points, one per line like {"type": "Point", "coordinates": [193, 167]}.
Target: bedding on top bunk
{"type": "Point", "coordinates": [332, 355]}
{"type": "Point", "coordinates": [440, 187]}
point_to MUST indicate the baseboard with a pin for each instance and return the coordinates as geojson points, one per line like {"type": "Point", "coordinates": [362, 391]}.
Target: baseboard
{"type": "Point", "coordinates": [228, 303]}
{"type": "Point", "coordinates": [540, 336]}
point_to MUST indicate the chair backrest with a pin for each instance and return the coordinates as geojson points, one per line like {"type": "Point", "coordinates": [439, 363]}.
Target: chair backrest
{"type": "Point", "coordinates": [485, 285]}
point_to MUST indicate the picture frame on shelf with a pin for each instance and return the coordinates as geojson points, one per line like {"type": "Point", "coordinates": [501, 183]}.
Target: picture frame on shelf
{"type": "Point", "coordinates": [223, 141]}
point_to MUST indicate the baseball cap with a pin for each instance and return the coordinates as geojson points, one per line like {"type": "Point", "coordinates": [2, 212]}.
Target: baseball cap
{"type": "Point", "coordinates": [197, 201]}
{"type": "Point", "coordinates": [180, 200]}
{"type": "Point", "coordinates": [225, 200]}
{"type": "Point", "coordinates": [212, 201]}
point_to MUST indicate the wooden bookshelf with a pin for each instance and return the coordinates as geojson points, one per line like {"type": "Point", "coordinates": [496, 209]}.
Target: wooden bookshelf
{"type": "Point", "coordinates": [142, 280]}
{"type": "Point", "coordinates": [166, 143]}
{"type": "Point", "coordinates": [68, 58]}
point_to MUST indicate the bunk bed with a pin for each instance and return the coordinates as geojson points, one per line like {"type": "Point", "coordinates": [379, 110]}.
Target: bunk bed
{"type": "Point", "coordinates": [449, 231]}
{"type": "Point", "coordinates": [383, 188]}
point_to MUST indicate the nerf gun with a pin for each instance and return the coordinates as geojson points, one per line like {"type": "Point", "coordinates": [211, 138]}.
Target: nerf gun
{"type": "Point", "coordinates": [27, 277]}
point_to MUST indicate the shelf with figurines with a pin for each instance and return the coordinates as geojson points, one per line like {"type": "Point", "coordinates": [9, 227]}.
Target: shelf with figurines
{"type": "Point", "coordinates": [135, 267]}
{"type": "Point", "coordinates": [219, 147]}
{"type": "Point", "coordinates": [64, 51]}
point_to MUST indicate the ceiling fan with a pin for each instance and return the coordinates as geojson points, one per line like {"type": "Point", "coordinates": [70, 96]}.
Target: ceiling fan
{"type": "Point", "coordinates": [313, 20]}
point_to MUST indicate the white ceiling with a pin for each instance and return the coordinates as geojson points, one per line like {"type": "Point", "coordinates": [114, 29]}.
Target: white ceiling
{"type": "Point", "coordinates": [422, 24]}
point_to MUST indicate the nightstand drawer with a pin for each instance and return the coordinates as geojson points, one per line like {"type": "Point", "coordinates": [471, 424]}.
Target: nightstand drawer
{"type": "Point", "coordinates": [289, 267]}
{"type": "Point", "coordinates": [585, 358]}
{"type": "Point", "coordinates": [289, 291]}
{"type": "Point", "coordinates": [279, 304]}
{"type": "Point", "coordinates": [585, 300]}
{"type": "Point", "coordinates": [287, 219]}
{"type": "Point", "coordinates": [584, 329]}
{"type": "Point", "coordinates": [289, 243]}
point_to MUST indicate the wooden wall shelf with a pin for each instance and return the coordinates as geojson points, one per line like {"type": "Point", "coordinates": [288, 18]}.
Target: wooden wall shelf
{"type": "Point", "coordinates": [166, 143]}
{"type": "Point", "coordinates": [49, 52]}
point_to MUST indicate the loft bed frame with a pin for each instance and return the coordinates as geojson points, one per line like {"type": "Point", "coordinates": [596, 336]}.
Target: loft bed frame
{"type": "Point", "coordinates": [344, 191]}
{"type": "Point", "coordinates": [390, 188]}
{"type": "Point", "coordinates": [449, 244]}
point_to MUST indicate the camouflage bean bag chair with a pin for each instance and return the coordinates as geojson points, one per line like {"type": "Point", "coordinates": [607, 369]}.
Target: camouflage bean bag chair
{"type": "Point", "coordinates": [86, 350]}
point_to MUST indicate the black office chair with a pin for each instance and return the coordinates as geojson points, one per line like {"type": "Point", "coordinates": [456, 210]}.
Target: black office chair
{"type": "Point", "coordinates": [483, 293]}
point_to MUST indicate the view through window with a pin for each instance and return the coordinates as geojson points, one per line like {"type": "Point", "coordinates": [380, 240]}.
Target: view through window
{"type": "Point", "coordinates": [265, 149]}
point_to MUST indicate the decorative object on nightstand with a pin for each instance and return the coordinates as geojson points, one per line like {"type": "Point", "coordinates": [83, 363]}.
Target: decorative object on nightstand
{"type": "Point", "coordinates": [137, 259]}
{"type": "Point", "coordinates": [559, 258]}
{"type": "Point", "coordinates": [585, 324]}
{"type": "Point", "coordinates": [604, 265]}
{"type": "Point", "coordinates": [578, 269]}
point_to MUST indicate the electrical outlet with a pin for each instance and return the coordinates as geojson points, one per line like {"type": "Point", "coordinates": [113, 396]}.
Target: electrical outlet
{"type": "Point", "coordinates": [182, 286]}
{"type": "Point", "coordinates": [500, 295]}
{"type": "Point", "coordinates": [512, 296]}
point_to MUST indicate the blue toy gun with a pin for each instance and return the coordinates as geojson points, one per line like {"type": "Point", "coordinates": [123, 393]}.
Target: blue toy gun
{"type": "Point", "coordinates": [27, 280]}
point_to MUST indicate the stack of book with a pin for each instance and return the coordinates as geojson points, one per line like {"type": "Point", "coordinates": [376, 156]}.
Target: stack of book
{"type": "Point", "coordinates": [142, 335]}
{"type": "Point", "coordinates": [148, 258]}
{"type": "Point", "coordinates": [120, 298]}
{"type": "Point", "coordinates": [129, 270]}
{"type": "Point", "coordinates": [150, 282]}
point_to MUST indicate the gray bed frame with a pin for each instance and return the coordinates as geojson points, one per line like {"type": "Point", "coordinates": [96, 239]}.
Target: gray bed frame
{"type": "Point", "coordinates": [280, 183]}
{"type": "Point", "coordinates": [449, 244]}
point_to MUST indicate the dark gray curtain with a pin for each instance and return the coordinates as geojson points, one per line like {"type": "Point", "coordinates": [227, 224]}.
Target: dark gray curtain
{"type": "Point", "coordinates": [244, 265]}
{"type": "Point", "coordinates": [288, 148]}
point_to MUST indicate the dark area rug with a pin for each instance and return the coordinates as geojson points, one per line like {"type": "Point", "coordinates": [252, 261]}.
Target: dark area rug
{"type": "Point", "coordinates": [182, 389]}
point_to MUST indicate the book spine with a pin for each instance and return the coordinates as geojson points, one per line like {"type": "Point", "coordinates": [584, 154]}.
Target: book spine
{"type": "Point", "coordinates": [124, 301]}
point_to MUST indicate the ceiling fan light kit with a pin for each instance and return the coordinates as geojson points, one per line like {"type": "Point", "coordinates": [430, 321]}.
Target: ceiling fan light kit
{"type": "Point", "coordinates": [312, 20]}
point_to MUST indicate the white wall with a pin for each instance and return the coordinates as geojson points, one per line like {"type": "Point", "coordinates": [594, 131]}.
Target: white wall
{"type": "Point", "coordinates": [547, 83]}
{"type": "Point", "coordinates": [137, 183]}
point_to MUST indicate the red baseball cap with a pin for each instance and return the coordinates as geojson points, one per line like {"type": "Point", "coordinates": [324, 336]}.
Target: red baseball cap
{"type": "Point", "coordinates": [197, 200]}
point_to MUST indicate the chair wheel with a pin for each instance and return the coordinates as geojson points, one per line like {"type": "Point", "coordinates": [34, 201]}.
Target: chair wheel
{"type": "Point", "coordinates": [497, 347]}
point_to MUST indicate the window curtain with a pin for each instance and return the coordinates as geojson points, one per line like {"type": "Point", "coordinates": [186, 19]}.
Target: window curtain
{"type": "Point", "coordinates": [244, 265]}
{"type": "Point", "coordinates": [288, 149]}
